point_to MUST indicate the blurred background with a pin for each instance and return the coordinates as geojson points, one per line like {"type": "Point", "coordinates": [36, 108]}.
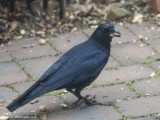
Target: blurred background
{"type": "Point", "coordinates": [41, 18]}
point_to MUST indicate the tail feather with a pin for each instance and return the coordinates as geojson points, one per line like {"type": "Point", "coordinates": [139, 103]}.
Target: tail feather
{"type": "Point", "coordinates": [34, 91]}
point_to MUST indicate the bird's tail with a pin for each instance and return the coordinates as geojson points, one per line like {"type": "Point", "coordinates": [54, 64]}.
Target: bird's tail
{"type": "Point", "coordinates": [34, 91]}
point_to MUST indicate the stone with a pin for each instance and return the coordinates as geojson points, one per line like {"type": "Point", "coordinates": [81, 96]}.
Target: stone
{"type": "Point", "coordinates": [7, 94]}
{"type": "Point", "coordinates": [4, 56]}
{"type": "Point", "coordinates": [11, 73]}
{"type": "Point", "coordinates": [29, 48]}
{"type": "Point", "coordinates": [21, 87]}
{"type": "Point", "coordinates": [148, 87]}
{"type": "Point", "coordinates": [36, 67]}
{"type": "Point", "coordinates": [92, 112]}
{"type": "Point", "coordinates": [132, 53]}
{"type": "Point", "coordinates": [144, 29]}
{"type": "Point", "coordinates": [155, 44]}
{"type": "Point", "coordinates": [111, 63]}
{"type": "Point", "coordinates": [88, 32]}
{"type": "Point", "coordinates": [156, 65]}
{"type": "Point", "coordinates": [123, 74]}
{"type": "Point", "coordinates": [65, 42]}
{"type": "Point", "coordinates": [139, 107]}
{"type": "Point", "coordinates": [124, 36]}
{"type": "Point", "coordinates": [115, 11]}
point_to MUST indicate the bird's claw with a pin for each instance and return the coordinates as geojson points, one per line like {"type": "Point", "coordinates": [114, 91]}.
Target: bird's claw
{"type": "Point", "coordinates": [90, 101]}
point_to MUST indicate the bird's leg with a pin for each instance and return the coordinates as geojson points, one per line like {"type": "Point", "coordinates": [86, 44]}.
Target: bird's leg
{"type": "Point", "coordinates": [87, 101]}
{"type": "Point", "coordinates": [71, 91]}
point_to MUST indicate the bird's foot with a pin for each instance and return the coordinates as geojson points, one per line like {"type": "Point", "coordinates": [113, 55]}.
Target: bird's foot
{"type": "Point", "coordinates": [93, 101]}
{"type": "Point", "coordinates": [90, 101]}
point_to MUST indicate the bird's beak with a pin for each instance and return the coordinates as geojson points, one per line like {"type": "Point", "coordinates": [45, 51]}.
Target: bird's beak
{"type": "Point", "coordinates": [116, 33]}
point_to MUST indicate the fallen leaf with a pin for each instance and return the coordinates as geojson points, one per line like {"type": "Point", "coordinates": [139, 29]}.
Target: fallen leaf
{"type": "Point", "coordinates": [137, 18]}
{"type": "Point", "coordinates": [13, 27]}
{"type": "Point", "coordinates": [28, 46]}
{"type": "Point", "coordinates": [152, 74]}
{"type": "Point", "coordinates": [44, 117]}
{"type": "Point", "coordinates": [1, 105]}
{"type": "Point", "coordinates": [63, 105]}
{"type": "Point", "coordinates": [42, 108]}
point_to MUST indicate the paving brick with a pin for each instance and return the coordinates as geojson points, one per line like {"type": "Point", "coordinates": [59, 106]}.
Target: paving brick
{"type": "Point", "coordinates": [88, 32]}
{"type": "Point", "coordinates": [124, 36]}
{"type": "Point", "coordinates": [88, 113]}
{"type": "Point", "coordinates": [156, 65]}
{"type": "Point", "coordinates": [123, 74]}
{"type": "Point", "coordinates": [4, 56]}
{"type": "Point", "coordinates": [104, 94]}
{"type": "Point", "coordinates": [132, 53]}
{"type": "Point", "coordinates": [29, 110]}
{"type": "Point", "coordinates": [155, 44]}
{"type": "Point", "coordinates": [36, 67]}
{"type": "Point", "coordinates": [64, 42]}
{"type": "Point", "coordinates": [144, 29]}
{"type": "Point", "coordinates": [111, 63]}
{"type": "Point", "coordinates": [139, 107]}
{"type": "Point", "coordinates": [148, 87]}
{"type": "Point", "coordinates": [146, 118]}
{"type": "Point", "coordinates": [6, 94]}
{"type": "Point", "coordinates": [17, 49]}
{"type": "Point", "coordinates": [10, 73]}
{"type": "Point", "coordinates": [21, 87]}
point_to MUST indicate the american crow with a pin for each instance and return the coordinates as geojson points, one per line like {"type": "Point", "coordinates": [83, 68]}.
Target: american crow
{"type": "Point", "coordinates": [75, 70]}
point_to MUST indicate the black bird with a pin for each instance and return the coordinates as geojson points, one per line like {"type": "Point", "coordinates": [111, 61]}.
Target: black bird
{"type": "Point", "coordinates": [75, 70]}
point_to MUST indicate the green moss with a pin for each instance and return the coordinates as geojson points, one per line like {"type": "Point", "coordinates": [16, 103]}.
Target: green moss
{"type": "Point", "coordinates": [112, 103]}
{"type": "Point", "coordinates": [130, 87]}
{"type": "Point", "coordinates": [146, 62]}
{"type": "Point", "coordinates": [157, 75]}
{"type": "Point", "coordinates": [32, 79]}
{"type": "Point", "coordinates": [22, 68]}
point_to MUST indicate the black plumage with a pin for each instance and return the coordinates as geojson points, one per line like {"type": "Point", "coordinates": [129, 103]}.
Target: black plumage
{"type": "Point", "coordinates": [75, 70]}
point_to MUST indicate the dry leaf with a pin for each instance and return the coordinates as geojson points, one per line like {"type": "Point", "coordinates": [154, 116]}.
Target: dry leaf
{"type": "Point", "coordinates": [13, 27]}
{"type": "Point", "coordinates": [44, 117]}
{"type": "Point", "coordinates": [63, 105]}
{"type": "Point", "coordinates": [42, 108]}
{"type": "Point", "coordinates": [28, 46]}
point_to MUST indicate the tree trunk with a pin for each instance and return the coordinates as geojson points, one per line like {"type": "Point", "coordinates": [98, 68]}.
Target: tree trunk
{"type": "Point", "coordinates": [63, 9]}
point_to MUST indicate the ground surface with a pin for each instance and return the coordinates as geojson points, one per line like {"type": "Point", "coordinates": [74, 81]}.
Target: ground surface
{"type": "Point", "coordinates": [130, 81]}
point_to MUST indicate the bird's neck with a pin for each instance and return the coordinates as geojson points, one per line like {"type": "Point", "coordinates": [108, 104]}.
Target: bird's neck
{"type": "Point", "coordinates": [101, 41]}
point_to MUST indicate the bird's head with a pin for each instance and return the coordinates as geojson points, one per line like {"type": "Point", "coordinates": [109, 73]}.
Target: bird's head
{"type": "Point", "coordinates": [104, 34]}
{"type": "Point", "coordinates": [108, 30]}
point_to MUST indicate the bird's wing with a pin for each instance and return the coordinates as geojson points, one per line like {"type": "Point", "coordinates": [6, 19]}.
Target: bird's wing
{"type": "Point", "coordinates": [88, 66]}
{"type": "Point", "coordinates": [54, 68]}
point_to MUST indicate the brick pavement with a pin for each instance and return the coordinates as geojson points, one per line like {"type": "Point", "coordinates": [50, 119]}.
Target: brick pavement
{"type": "Point", "coordinates": [130, 81]}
